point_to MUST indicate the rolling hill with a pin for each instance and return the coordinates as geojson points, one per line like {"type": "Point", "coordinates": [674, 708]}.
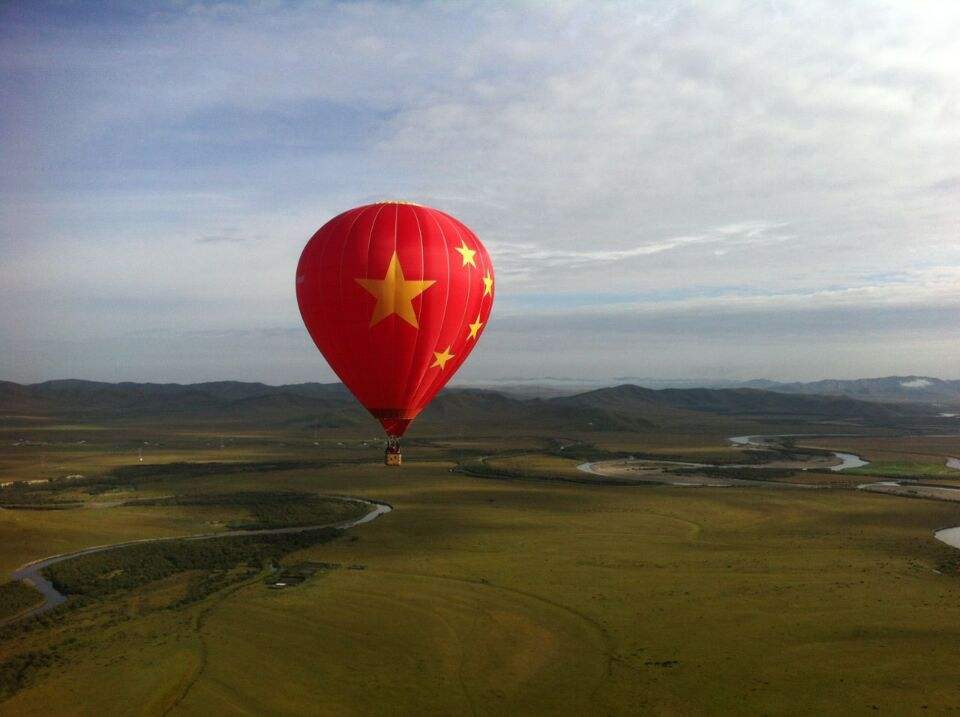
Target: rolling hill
{"type": "Point", "coordinates": [888, 389]}
{"type": "Point", "coordinates": [891, 389]}
{"type": "Point", "coordinates": [741, 402]}
{"type": "Point", "coordinates": [619, 408]}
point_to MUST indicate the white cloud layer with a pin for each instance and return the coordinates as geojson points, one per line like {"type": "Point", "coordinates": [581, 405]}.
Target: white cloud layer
{"type": "Point", "coordinates": [691, 162]}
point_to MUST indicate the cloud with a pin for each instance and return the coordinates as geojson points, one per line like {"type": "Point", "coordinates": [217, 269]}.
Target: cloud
{"type": "Point", "coordinates": [641, 159]}
{"type": "Point", "coordinates": [230, 235]}
{"type": "Point", "coordinates": [219, 239]}
{"type": "Point", "coordinates": [947, 184]}
{"type": "Point", "coordinates": [524, 259]}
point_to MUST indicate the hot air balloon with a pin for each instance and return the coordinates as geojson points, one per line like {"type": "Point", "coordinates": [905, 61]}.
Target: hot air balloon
{"type": "Point", "coordinates": [395, 295]}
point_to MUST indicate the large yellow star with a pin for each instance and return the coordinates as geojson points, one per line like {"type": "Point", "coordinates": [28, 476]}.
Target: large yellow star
{"type": "Point", "coordinates": [395, 294]}
{"type": "Point", "coordinates": [488, 284]}
{"type": "Point", "coordinates": [467, 254]}
{"type": "Point", "coordinates": [474, 328]}
{"type": "Point", "coordinates": [440, 358]}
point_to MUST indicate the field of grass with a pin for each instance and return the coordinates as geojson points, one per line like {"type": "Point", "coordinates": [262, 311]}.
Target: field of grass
{"type": "Point", "coordinates": [500, 597]}
{"type": "Point", "coordinates": [921, 457]}
{"type": "Point", "coordinates": [534, 465]}
{"type": "Point", "coordinates": [15, 598]}
{"type": "Point", "coordinates": [27, 535]}
{"type": "Point", "coordinates": [267, 510]}
{"type": "Point", "coordinates": [905, 469]}
{"type": "Point", "coordinates": [38, 450]}
{"type": "Point", "coordinates": [102, 574]}
{"type": "Point", "coordinates": [933, 447]}
{"type": "Point", "coordinates": [555, 467]}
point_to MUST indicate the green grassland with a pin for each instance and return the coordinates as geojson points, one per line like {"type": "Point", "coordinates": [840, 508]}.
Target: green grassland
{"type": "Point", "coordinates": [474, 595]}
{"type": "Point", "coordinates": [933, 447]}
{"type": "Point", "coordinates": [540, 466]}
{"type": "Point", "coordinates": [922, 457]}
{"type": "Point", "coordinates": [277, 509]}
{"type": "Point", "coordinates": [528, 465]}
{"type": "Point", "coordinates": [906, 469]}
{"type": "Point", "coordinates": [98, 575]}
{"type": "Point", "coordinates": [27, 535]}
{"type": "Point", "coordinates": [15, 598]}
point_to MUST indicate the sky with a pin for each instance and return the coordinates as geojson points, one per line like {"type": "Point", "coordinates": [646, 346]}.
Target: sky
{"type": "Point", "coordinates": [715, 190]}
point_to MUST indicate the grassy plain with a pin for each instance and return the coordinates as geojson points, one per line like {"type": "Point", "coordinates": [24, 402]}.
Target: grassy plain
{"type": "Point", "coordinates": [492, 596]}
{"type": "Point", "coordinates": [907, 469]}
{"type": "Point", "coordinates": [908, 457]}
{"type": "Point", "coordinates": [15, 599]}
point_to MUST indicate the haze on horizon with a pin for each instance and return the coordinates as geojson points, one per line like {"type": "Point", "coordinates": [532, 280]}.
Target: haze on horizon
{"type": "Point", "coordinates": [713, 190]}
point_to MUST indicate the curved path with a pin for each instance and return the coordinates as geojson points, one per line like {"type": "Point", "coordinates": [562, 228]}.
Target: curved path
{"type": "Point", "coordinates": [32, 572]}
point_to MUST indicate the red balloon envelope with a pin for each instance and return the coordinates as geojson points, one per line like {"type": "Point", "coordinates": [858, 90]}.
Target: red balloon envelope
{"type": "Point", "coordinates": [395, 296]}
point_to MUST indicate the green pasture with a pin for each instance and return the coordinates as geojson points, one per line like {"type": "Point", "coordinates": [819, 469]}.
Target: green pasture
{"type": "Point", "coordinates": [484, 596]}
{"type": "Point", "coordinates": [504, 597]}
{"type": "Point", "coordinates": [905, 469]}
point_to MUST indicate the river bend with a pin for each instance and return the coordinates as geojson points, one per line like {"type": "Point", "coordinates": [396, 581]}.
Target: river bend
{"type": "Point", "coordinates": [32, 572]}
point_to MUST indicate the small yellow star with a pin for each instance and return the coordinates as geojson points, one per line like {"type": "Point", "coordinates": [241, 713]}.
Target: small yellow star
{"type": "Point", "coordinates": [467, 254]}
{"type": "Point", "coordinates": [395, 293]}
{"type": "Point", "coordinates": [474, 328]}
{"type": "Point", "coordinates": [440, 358]}
{"type": "Point", "coordinates": [488, 284]}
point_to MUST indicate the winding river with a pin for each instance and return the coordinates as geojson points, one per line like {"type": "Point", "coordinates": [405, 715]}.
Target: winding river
{"type": "Point", "coordinates": [906, 488]}
{"type": "Point", "coordinates": [32, 572]}
{"type": "Point", "coordinates": [950, 536]}
{"type": "Point", "coordinates": [847, 460]}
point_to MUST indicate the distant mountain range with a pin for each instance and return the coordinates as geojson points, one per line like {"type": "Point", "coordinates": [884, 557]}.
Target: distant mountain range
{"type": "Point", "coordinates": [920, 389]}
{"type": "Point", "coordinates": [625, 407]}
{"type": "Point", "coordinates": [889, 389]}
